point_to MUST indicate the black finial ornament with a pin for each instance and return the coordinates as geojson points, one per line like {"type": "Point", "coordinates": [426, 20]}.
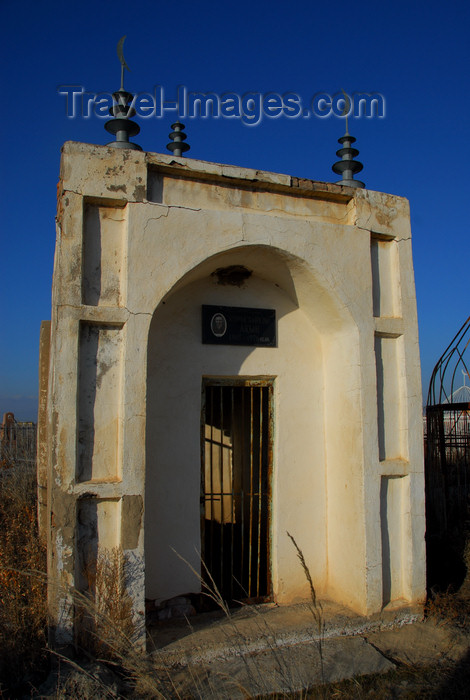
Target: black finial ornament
{"type": "Point", "coordinates": [122, 126]}
{"type": "Point", "coordinates": [177, 144]}
{"type": "Point", "coordinates": [347, 166]}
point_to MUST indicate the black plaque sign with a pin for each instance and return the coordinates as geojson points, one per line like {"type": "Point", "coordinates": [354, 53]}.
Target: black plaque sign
{"type": "Point", "coordinates": [237, 325]}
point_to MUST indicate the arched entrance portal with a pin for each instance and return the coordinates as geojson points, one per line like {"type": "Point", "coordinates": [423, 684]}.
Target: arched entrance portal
{"type": "Point", "coordinates": [235, 438]}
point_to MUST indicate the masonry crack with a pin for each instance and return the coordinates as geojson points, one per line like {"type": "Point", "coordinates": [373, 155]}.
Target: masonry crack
{"type": "Point", "coordinates": [156, 218]}
{"type": "Point", "coordinates": [166, 209]}
{"type": "Point", "coordinates": [65, 192]}
{"type": "Point", "coordinates": [180, 206]}
{"type": "Point", "coordinates": [136, 313]}
{"type": "Point", "coordinates": [69, 306]}
{"type": "Point", "coordinates": [388, 657]}
{"type": "Point", "coordinates": [120, 308]}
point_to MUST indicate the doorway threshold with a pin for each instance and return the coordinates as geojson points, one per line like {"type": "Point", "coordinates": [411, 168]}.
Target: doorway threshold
{"type": "Point", "coordinates": [250, 629]}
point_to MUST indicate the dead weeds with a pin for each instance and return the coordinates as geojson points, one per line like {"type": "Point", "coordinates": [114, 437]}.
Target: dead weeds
{"type": "Point", "coordinates": [24, 659]}
{"type": "Point", "coordinates": [23, 603]}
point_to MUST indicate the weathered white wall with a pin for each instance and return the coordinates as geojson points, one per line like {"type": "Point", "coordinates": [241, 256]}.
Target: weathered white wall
{"type": "Point", "coordinates": [177, 361]}
{"type": "Point", "coordinates": [99, 402]}
{"type": "Point", "coordinates": [132, 273]}
{"type": "Point", "coordinates": [393, 517]}
{"type": "Point", "coordinates": [103, 255]}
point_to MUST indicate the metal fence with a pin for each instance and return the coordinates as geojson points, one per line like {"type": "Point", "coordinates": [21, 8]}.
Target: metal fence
{"type": "Point", "coordinates": [448, 466]}
{"type": "Point", "coordinates": [17, 442]}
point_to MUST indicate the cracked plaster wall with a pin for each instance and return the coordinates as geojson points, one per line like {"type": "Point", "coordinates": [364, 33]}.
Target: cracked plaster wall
{"type": "Point", "coordinates": [119, 256]}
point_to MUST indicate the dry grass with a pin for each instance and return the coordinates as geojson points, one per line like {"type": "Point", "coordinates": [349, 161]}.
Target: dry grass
{"type": "Point", "coordinates": [211, 685]}
{"type": "Point", "coordinates": [103, 613]}
{"type": "Point", "coordinates": [406, 682]}
{"type": "Point", "coordinates": [452, 608]}
{"type": "Point", "coordinates": [22, 585]}
{"type": "Point", "coordinates": [111, 665]}
{"type": "Point", "coordinates": [315, 607]}
{"type": "Point", "coordinates": [106, 643]}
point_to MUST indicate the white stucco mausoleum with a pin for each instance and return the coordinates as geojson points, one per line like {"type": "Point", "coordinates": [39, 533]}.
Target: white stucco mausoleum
{"type": "Point", "coordinates": [232, 356]}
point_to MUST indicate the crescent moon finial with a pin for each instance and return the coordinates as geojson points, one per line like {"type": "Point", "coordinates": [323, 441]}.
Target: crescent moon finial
{"type": "Point", "coordinates": [122, 60]}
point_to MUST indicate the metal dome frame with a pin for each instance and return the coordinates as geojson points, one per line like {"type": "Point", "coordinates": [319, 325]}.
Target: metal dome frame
{"type": "Point", "coordinates": [447, 465]}
{"type": "Point", "coordinates": [450, 361]}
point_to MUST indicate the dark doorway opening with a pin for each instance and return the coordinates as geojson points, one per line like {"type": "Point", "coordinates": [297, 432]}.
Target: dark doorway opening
{"type": "Point", "coordinates": [236, 455]}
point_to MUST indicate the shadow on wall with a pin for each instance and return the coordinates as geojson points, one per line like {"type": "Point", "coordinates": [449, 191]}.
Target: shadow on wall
{"type": "Point", "coordinates": [316, 355]}
{"type": "Point", "coordinates": [177, 362]}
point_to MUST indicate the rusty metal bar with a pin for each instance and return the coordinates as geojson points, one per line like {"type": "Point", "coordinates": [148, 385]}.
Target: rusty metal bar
{"type": "Point", "coordinates": [242, 497]}
{"type": "Point", "coordinates": [269, 467]}
{"type": "Point", "coordinates": [260, 486]}
{"type": "Point", "coordinates": [202, 478]}
{"type": "Point", "coordinates": [232, 504]}
{"type": "Point", "coordinates": [212, 476]}
{"type": "Point", "coordinates": [221, 468]}
{"type": "Point", "coordinates": [250, 544]}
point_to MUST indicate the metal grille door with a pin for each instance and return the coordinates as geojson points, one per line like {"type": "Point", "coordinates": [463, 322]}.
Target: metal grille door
{"type": "Point", "coordinates": [236, 486]}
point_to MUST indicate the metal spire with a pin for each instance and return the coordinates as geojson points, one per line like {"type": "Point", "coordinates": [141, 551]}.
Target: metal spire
{"type": "Point", "coordinates": [122, 60]}
{"type": "Point", "coordinates": [122, 126]}
{"type": "Point", "coordinates": [346, 109]}
{"type": "Point", "coordinates": [347, 166]}
{"type": "Point", "coordinates": [178, 137]}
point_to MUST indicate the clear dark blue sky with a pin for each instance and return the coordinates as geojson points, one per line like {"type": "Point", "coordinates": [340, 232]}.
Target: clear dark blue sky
{"type": "Point", "coordinates": [416, 54]}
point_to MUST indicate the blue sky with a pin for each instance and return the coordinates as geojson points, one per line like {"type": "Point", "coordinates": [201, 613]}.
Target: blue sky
{"type": "Point", "coordinates": [415, 54]}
